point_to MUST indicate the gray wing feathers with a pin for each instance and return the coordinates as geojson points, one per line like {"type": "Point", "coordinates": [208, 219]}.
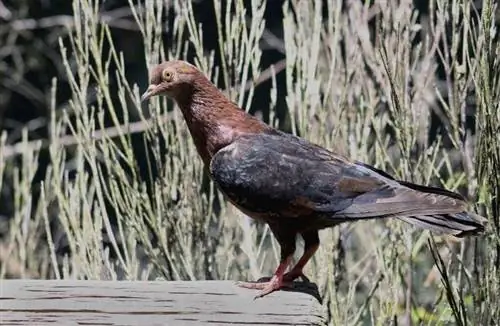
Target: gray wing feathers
{"type": "Point", "coordinates": [404, 202]}
{"type": "Point", "coordinates": [282, 175]}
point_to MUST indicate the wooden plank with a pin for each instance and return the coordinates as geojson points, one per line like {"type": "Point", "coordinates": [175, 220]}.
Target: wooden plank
{"type": "Point", "coordinates": [67, 302]}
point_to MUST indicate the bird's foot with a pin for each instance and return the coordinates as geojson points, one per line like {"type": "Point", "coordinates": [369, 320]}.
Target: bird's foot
{"type": "Point", "coordinates": [265, 287]}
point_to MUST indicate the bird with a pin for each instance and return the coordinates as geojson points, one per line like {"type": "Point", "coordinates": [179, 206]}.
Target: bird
{"type": "Point", "coordinates": [295, 186]}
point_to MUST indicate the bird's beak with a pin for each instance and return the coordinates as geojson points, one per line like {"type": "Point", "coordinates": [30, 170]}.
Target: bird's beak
{"type": "Point", "coordinates": [148, 93]}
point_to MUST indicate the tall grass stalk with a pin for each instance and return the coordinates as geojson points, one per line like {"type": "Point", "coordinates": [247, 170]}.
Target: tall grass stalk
{"type": "Point", "coordinates": [360, 79]}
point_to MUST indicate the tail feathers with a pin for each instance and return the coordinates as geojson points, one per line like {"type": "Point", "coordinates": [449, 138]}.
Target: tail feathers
{"type": "Point", "coordinates": [402, 201]}
{"type": "Point", "coordinates": [432, 190]}
{"type": "Point", "coordinates": [427, 207]}
{"type": "Point", "coordinates": [460, 224]}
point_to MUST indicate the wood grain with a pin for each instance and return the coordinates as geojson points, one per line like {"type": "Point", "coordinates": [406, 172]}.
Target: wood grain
{"type": "Point", "coordinates": [67, 302]}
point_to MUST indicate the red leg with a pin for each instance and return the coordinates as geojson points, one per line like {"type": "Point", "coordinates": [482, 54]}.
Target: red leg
{"type": "Point", "coordinates": [286, 239]}
{"type": "Point", "coordinates": [296, 271]}
{"type": "Point", "coordinates": [311, 245]}
{"type": "Point", "coordinates": [275, 283]}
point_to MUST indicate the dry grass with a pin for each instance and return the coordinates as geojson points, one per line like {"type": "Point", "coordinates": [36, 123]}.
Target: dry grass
{"type": "Point", "coordinates": [370, 95]}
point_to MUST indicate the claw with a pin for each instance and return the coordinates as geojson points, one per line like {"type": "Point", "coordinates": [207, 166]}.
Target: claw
{"type": "Point", "coordinates": [267, 285]}
{"type": "Point", "coordinates": [265, 288]}
{"type": "Point", "coordinates": [252, 285]}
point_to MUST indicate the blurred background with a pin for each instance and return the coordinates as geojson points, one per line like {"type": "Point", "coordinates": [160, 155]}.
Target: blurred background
{"type": "Point", "coordinates": [95, 185]}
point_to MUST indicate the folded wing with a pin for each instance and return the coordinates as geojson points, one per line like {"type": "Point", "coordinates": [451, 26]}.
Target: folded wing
{"type": "Point", "coordinates": [280, 176]}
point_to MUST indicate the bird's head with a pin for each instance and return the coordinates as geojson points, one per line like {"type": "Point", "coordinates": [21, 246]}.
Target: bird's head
{"type": "Point", "coordinates": [172, 78]}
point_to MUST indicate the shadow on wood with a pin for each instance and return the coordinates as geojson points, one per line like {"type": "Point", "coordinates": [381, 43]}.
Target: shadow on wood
{"type": "Point", "coordinates": [66, 302]}
{"type": "Point", "coordinates": [306, 287]}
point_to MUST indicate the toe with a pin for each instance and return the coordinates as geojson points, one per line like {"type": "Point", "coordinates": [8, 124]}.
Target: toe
{"type": "Point", "coordinates": [252, 285]}
{"type": "Point", "coordinates": [268, 290]}
{"type": "Point", "coordinates": [271, 286]}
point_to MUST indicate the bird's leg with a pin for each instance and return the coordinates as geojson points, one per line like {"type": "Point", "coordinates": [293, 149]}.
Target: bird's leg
{"type": "Point", "coordinates": [275, 283]}
{"type": "Point", "coordinates": [287, 244]}
{"type": "Point", "coordinates": [311, 245]}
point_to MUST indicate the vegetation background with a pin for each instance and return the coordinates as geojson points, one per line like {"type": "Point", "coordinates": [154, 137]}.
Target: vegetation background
{"type": "Point", "coordinates": [95, 186]}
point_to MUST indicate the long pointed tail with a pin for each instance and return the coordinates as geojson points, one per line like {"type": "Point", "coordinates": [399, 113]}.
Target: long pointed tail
{"type": "Point", "coordinates": [460, 225]}
{"type": "Point", "coordinates": [427, 207]}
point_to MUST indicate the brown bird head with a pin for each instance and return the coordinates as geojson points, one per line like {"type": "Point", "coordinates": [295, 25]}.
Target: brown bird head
{"type": "Point", "coordinates": [213, 120]}
{"type": "Point", "coordinates": [174, 79]}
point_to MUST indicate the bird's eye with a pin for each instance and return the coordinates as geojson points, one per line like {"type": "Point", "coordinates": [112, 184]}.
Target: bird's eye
{"type": "Point", "coordinates": [167, 75]}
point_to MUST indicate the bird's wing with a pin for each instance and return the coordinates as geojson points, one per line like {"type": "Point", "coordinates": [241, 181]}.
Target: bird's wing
{"type": "Point", "coordinates": [282, 175]}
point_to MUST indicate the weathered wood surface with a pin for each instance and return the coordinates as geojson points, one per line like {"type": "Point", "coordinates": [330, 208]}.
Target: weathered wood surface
{"type": "Point", "coordinates": [44, 302]}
